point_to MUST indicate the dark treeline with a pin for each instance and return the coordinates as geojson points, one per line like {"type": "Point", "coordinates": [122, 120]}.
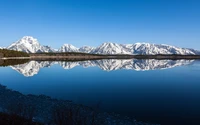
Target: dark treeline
{"type": "Point", "coordinates": [12, 62]}
{"type": "Point", "coordinates": [12, 53]}
{"type": "Point", "coordinates": [116, 56]}
{"type": "Point", "coordinates": [65, 54]}
{"type": "Point", "coordinates": [167, 56]}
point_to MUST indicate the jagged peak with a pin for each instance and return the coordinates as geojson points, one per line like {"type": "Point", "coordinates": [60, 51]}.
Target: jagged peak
{"type": "Point", "coordinates": [148, 44]}
{"type": "Point", "coordinates": [69, 45]}
{"type": "Point", "coordinates": [68, 48]}
{"type": "Point", "coordinates": [66, 44]}
{"type": "Point", "coordinates": [28, 39]}
{"type": "Point", "coordinates": [31, 45]}
{"type": "Point", "coordinates": [85, 46]}
{"type": "Point", "coordinates": [109, 43]}
{"type": "Point", "coordinates": [144, 43]}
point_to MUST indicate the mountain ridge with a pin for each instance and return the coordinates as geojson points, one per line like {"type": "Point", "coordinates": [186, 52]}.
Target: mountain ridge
{"type": "Point", "coordinates": [31, 45]}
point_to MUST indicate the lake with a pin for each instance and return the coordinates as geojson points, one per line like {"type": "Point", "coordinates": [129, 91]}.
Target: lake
{"type": "Point", "coordinates": [166, 92]}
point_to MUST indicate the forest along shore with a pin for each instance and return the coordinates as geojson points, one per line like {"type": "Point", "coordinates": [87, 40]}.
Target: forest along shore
{"type": "Point", "coordinates": [11, 54]}
{"type": "Point", "coordinates": [42, 57]}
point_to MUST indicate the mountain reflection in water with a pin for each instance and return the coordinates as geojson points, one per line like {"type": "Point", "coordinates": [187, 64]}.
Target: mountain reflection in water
{"type": "Point", "coordinates": [33, 67]}
{"type": "Point", "coordinates": [131, 87]}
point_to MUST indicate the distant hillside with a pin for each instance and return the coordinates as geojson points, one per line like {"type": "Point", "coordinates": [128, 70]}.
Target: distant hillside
{"type": "Point", "coordinates": [12, 53]}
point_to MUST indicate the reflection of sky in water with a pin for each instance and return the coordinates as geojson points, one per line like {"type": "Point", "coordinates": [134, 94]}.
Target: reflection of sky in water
{"type": "Point", "coordinates": [155, 95]}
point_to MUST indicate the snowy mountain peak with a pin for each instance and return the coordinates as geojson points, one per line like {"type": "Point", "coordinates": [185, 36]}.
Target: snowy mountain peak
{"type": "Point", "coordinates": [110, 48]}
{"type": "Point", "coordinates": [29, 39]}
{"type": "Point", "coordinates": [110, 44]}
{"type": "Point", "coordinates": [86, 49]}
{"type": "Point", "coordinates": [153, 49]}
{"type": "Point", "coordinates": [27, 44]}
{"type": "Point", "coordinates": [69, 45]}
{"type": "Point", "coordinates": [68, 48]}
{"type": "Point", "coordinates": [30, 45]}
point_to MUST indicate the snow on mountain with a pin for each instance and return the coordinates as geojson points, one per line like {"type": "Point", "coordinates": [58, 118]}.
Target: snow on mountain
{"type": "Point", "coordinates": [68, 48]}
{"type": "Point", "coordinates": [142, 48]}
{"type": "Point", "coordinates": [153, 49]}
{"type": "Point", "coordinates": [110, 48]}
{"type": "Point", "coordinates": [86, 49]}
{"type": "Point", "coordinates": [30, 45]}
{"type": "Point", "coordinates": [47, 49]}
{"type": "Point", "coordinates": [32, 68]}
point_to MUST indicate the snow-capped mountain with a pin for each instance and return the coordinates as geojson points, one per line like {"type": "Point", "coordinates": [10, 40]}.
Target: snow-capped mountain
{"type": "Point", "coordinates": [152, 49]}
{"type": "Point", "coordinates": [110, 48]}
{"type": "Point", "coordinates": [142, 48]}
{"type": "Point", "coordinates": [32, 68]}
{"type": "Point", "coordinates": [47, 49]}
{"type": "Point", "coordinates": [68, 48]}
{"type": "Point", "coordinates": [86, 49]}
{"type": "Point", "coordinates": [30, 45]}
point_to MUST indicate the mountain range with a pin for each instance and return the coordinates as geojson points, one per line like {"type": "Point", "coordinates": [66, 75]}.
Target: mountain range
{"type": "Point", "coordinates": [33, 67]}
{"type": "Point", "coordinates": [31, 45]}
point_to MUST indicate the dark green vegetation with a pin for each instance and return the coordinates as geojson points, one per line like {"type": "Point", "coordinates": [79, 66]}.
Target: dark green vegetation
{"type": "Point", "coordinates": [170, 56]}
{"type": "Point", "coordinates": [77, 55]}
{"type": "Point", "coordinates": [65, 54]}
{"type": "Point", "coordinates": [12, 119]}
{"type": "Point", "coordinates": [85, 56]}
{"type": "Point", "coordinates": [12, 62]}
{"type": "Point", "coordinates": [12, 53]}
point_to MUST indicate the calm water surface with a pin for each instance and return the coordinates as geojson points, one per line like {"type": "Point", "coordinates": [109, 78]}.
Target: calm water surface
{"type": "Point", "coordinates": [165, 91]}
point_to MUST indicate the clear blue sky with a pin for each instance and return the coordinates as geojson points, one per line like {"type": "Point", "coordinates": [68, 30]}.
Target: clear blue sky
{"type": "Point", "coordinates": [92, 22]}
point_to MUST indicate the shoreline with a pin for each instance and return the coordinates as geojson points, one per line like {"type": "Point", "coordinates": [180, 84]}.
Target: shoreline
{"type": "Point", "coordinates": [91, 57]}
{"type": "Point", "coordinates": [46, 110]}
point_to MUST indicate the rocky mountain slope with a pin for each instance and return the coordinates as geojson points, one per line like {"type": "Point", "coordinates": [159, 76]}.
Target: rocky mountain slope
{"type": "Point", "coordinates": [31, 45]}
